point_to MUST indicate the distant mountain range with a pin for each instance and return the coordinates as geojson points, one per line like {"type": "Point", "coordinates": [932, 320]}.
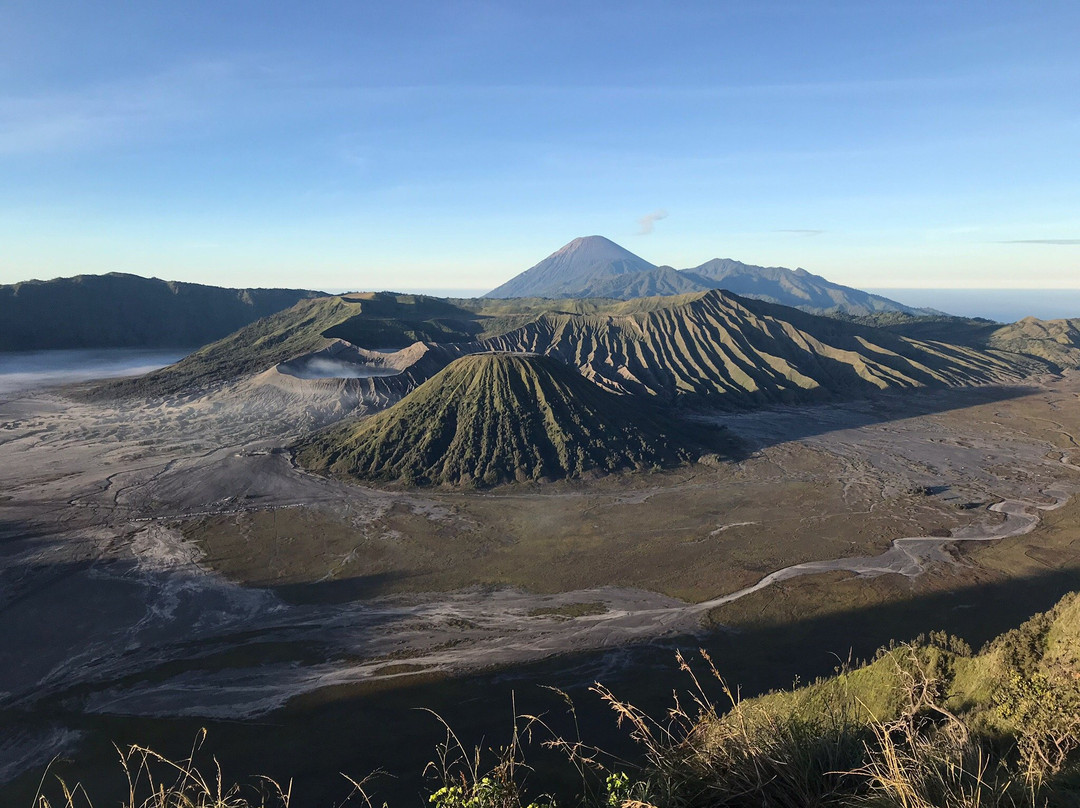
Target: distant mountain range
{"type": "Point", "coordinates": [593, 266]}
{"type": "Point", "coordinates": [129, 311]}
{"type": "Point", "coordinates": [712, 345]}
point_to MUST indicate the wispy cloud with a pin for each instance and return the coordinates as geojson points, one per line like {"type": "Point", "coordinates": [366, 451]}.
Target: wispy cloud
{"type": "Point", "coordinates": [1070, 242]}
{"type": "Point", "coordinates": [109, 112]}
{"type": "Point", "coordinates": [647, 222]}
{"type": "Point", "coordinates": [801, 232]}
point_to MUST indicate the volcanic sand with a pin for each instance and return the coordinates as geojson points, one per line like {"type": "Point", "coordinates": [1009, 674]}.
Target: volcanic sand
{"type": "Point", "coordinates": [170, 559]}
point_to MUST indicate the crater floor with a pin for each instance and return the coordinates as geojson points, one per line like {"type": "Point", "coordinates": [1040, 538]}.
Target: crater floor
{"type": "Point", "coordinates": [172, 560]}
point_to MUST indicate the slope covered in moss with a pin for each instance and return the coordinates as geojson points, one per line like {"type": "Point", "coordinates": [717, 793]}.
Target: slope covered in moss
{"type": "Point", "coordinates": [740, 352]}
{"type": "Point", "coordinates": [492, 418]}
{"type": "Point", "coordinates": [376, 320]}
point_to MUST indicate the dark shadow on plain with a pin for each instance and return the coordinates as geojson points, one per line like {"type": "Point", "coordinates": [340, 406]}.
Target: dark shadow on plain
{"type": "Point", "coordinates": [768, 426]}
{"type": "Point", "coordinates": [363, 728]}
{"type": "Point", "coordinates": [342, 590]}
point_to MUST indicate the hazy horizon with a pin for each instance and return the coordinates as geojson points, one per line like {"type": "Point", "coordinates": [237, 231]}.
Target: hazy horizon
{"type": "Point", "coordinates": [1001, 304]}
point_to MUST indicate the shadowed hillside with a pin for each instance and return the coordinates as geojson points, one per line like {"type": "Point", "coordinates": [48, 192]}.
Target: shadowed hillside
{"type": "Point", "coordinates": [790, 287]}
{"type": "Point", "coordinates": [375, 320]}
{"type": "Point", "coordinates": [737, 351]}
{"type": "Point", "coordinates": [926, 724]}
{"type": "Point", "coordinates": [1056, 341]}
{"type": "Point", "coordinates": [494, 418]}
{"type": "Point", "coordinates": [712, 345]}
{"type": "Point", "coordinates": [128, 311]}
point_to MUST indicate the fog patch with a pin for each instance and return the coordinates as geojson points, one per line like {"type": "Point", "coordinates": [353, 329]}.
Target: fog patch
{"type": "Point", "coordinates": [322, 368]}
{"type": "Point", "coordinates": [31, 370]}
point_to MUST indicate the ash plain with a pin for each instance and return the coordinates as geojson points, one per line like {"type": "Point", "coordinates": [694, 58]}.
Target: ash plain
{"type": "Point", "coordinates": [167, 560]}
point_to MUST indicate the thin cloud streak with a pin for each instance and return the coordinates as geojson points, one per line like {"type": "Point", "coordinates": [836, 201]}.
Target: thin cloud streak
{"type": "Point", "coordinates": [801, 232]}
{"type": "Point", "coordinates": [1067, 242]}
{"type": "Point", "coordinates": [119, 111]}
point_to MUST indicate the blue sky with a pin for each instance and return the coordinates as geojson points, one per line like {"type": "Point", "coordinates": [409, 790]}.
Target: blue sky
{"type": "Point", "coordinates": [454, 144]}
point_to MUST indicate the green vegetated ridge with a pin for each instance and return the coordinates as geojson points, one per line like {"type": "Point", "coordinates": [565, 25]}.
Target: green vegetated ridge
{"type": "Point", "coordinates": [731, 350]}
{"type": "Point", "coordinates": [970, 331]}
{"type": "Point", "coordinates": [737, 351]}
{"type": "Point", "coordinates": [370, 320]}
{"type": "Point", "coordinates": [1039, 663]}
{"type": "Point", "coordinates": [1056, 341]}
{"type": "Point", "coordinates": [128, 311]}
{"type": "Point", "coordinates": [374, 320]}
{"type": "Point", "coordinates": [926, 724]}
{"type": "Point", "coordinates": [493, 418]}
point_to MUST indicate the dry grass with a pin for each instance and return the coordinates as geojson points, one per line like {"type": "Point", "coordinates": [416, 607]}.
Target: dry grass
{"type": "Point", "coordinates": [888, 735]}
{"type": "Point", "coordinates": [154, 781]}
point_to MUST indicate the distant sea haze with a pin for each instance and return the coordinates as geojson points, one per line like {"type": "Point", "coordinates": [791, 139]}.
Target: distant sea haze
{"type": "Point", "coordinates": [1003, 305]}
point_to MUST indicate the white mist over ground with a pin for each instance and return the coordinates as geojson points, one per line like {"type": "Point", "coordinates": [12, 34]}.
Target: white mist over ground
{"type": "Point", "coordinates": [32, 370]}
{"type": "Point", "coordinates": [1003, 305]}
{"type": "Point", "coordinates": [323, 368]}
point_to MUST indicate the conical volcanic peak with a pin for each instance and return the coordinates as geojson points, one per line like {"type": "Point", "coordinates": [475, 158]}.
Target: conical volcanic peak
{"type": "Point", "coordinates": [493, 418]}
{"type": "Point", "coordinates": [573, 269]}
{"type": "Point", "coordinates": [593, 266]}
{"type": "Point", "coordinates": [594, 250]}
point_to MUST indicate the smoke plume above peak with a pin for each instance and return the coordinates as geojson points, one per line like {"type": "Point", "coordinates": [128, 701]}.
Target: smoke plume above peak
{"type": "Point", "coordinates": [647, 222]}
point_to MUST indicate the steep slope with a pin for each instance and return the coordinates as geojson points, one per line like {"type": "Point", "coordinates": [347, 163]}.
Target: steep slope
{"type": "Point", "coordinates": [1049, 344]}
{"type": "Point", "coordinates": [791, 287]}
{"type": "Point", "coordinates": [1045, 649]}
{"type": "Point", "coordinates": [971, 331]}
{"type": "Point", "coordinates": [572, 270]}
{"type": "Point", "coordinates": [1056, 341]}
{"type": "Point", "coordinates": [492, 418]}
{"type": "Point", "coordinates": [742, 352]}
{"type": "Point", "coordinates": [371, 320]}
{"type": "Point", "coordinates": [713, 345]}
{"type": "Point", "coordinates": [654, 282]}
{"type": "Point", "coordinates": [128, 311]}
